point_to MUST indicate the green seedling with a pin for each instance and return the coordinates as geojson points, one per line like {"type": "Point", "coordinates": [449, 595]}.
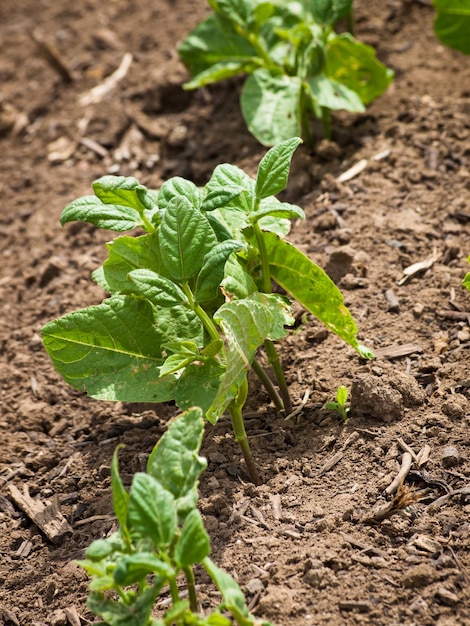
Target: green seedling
{"type": "Point", "coordinates": [339, 405]}
{"type": "Point", "coordinates": [297, 65]}
{"type": "Point", "coordinates": [161, 537]}
{"type": "Point", "coordinates": [452, 23]}
{"type": "Point", "coordinates": [191, 299]}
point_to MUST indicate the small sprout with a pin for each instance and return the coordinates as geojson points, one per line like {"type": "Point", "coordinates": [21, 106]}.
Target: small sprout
{"type": "Point", "coordinates": [339, 405]}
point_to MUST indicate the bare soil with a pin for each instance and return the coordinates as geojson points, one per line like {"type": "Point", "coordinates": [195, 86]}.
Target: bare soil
{"type": "Point", "coordinates": [308, 546]}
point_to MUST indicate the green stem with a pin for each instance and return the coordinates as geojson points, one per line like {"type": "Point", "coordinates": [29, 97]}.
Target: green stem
{"type": "Point", "coordinates": [189, 575]}
{"type": "Point", "coordinates": [267, 384]}
{"type": "Point", "coordinates": [197, 308]}
{"type": "Point", "coordinates": [260, 51]}
{"type": "Point", "coordinates": [265, 270]}
{"type": "Point", "coordinates": [271, 351]}
{"type": "Point", "coordinates": [275, 361]}
{"type": "Point", "coordinates": [175, 596]}
{"type": "Point", "coordinates": [238, 425]}
{"type": "Point", "coordinates": [148, 226]}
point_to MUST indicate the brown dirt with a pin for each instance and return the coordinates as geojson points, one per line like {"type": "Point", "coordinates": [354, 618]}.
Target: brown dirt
{"type": "Point", "coordinates": [306, 534]}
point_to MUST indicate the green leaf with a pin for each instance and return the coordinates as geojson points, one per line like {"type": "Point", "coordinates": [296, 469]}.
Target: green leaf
{"type": "Point", "coordinates": [466, 281]}
{"type": "Point", "coordinates": [273, 169]}
{"type": "Point", "coordinates": [238, 282]}
{"type": "Point", "coordinates": [231, 185]}
{"type": "Point", "coordinates": [233, 597]}
{"type": "Point", "coordinates": [193, 544]}
{"type": "Point", "coordinates": [333, 95]}
{"type": "Point", "coordinates": [245, 324]}
{"type": "Point", "coordinates": [127, 254]}
{"type": "Point", "coordinates": [132, 568]}
{"type": "Point", "coordinates": [214, 41]}
{"type": "Point", "coordinates": [185, 237]}
{"type": "Point", "coordinates": [278, 210]}
{"type": "Point", "coordinates": [281, 310]}
{"type": "Point", "coordinates": [184, 352]}
{"type": "Point", "coordinates": [327, 12]}
{"type": "Point", "coordinates": [119, 614]}
{"type": "Point", "coordinates": [120, 497]}
{"type": "Point", "coordinates": [354, 65]}
{"type": "Point", "coordinates": [106, 216]}
{"type": "Point", "coordinates": [237, 11]}
{"type": "Point", "coordinates": [175, 462]}
{"type": "Point", "coordinates": [221, 71]}
{"type": "Point", "coordinates": [270, 104]}
{"type": "Point", "coordinates": [219, 197]}
{"type": "Point", "coordinates": [113, 351]}
{"type": "Point", "coordinates": [122, 190]}
{"type": "Point", "coordinates": [100, 548]}
{"type": "Point", "coordinates": [152, 511]}
{"type": "Point", "coordinates": [161, 291]}
{"type": "Point", "coordinates": [178, 187]}
{"type": "Point", "coordinates": [199, 384]}
{"type": "Point", "coordinates": [452, 23]}
{"type": "Point", "coordinates": [213, 268]}
{"type": "Point", "coordinates": [310, 286]}
{"type": "Point", "coordinates": [342, 395]}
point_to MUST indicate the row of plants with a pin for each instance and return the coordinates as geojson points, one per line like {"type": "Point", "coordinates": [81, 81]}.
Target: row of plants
{"type": "Point", "coordinates": [203, 289]}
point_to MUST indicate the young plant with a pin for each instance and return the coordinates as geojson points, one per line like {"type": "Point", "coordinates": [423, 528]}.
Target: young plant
{"type": "Point", "coordinates": [452, 23]}
{"type": "Point", "coordinates": [160, 536]}
{"type": "Point", "coordinates": [339, 404]}
{"type": "Point", "coordinates": [297, 64]}
{"type": "Point", "coordinates": [191, 299]}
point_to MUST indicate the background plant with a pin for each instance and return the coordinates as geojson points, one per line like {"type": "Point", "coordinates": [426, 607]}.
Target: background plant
{"type": "Point", "coordinates": [297, 64]}
{"type": "Point", "coordinates": [191, 299]}
{"type": "Point", "coordinates": [160, 536]}
{"type": "Point", "coordinates": [452, 23]}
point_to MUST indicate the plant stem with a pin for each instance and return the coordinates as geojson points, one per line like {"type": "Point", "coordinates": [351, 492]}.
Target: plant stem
{"type": "Point", "coordinates": [175, 596]}
{"type": "Point", "coordinates": [197, 308]}
{"type": "Point", "coordinates": [265, 271]}
{"type": "Point", "coordinates": [193, 602]}
{"type": "Point", "coordinates": [271, 351]}
{"type": "Point", "coordinates": [267, 384]}
{"type": "Point", "coordinates": [235, 410]}
{"type": "Point", "coordinates": [275, 361]}
{"type": "Point", "coordinates": [150, 228]}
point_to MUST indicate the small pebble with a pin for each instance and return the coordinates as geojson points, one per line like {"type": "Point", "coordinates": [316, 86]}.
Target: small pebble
{"type": "Point", "coordinates": [450, 456]}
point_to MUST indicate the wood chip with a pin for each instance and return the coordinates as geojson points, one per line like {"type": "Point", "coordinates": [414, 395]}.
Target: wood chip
{"type": "Point", "coordinates": [353, 171]}
{"type": "Point", "coordinates": [423, 455]}
{"type": "Point", "coordinates": [421, 266]}
{"type": "Point", "coordinates": [48, 518]}
{"type": "Point", "coordinates": [276, 504]}
{"type": "Point", "coordinates": [355, 605]}
{"type": "Point", "coordinates": [336, 458]}
{"type": "Point", "coordinates": [397, 351]}
{"type": "Point", "coordinates": [393, 303]}
{"type": "Point", "coordinates": [72, 616]}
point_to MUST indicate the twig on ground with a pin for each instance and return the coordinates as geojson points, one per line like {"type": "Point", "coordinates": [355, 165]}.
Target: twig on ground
{"type": "Point", "coordinates": [99, 93]}
{"type": "Point", "coordinates": [406, 448]}
{"type": "Point", "coordinates": [397, 483]}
